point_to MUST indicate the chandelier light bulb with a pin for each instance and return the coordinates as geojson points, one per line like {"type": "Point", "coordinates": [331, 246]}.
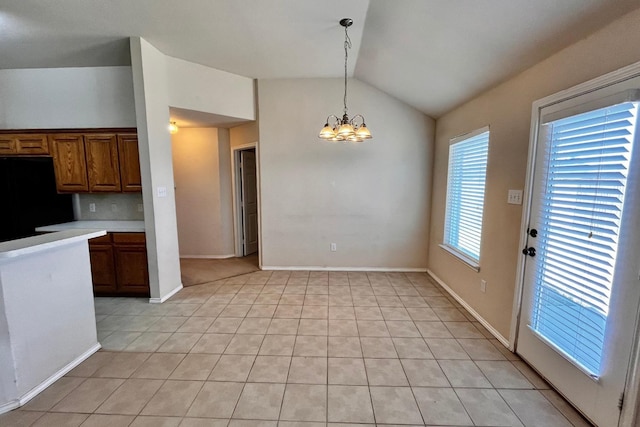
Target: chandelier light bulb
{"type": "Point", "coordinates": [173, 128]}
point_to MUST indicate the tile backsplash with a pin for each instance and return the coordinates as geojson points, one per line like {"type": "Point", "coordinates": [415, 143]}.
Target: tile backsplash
{"type": "Point", "coordinates": [108, 206]}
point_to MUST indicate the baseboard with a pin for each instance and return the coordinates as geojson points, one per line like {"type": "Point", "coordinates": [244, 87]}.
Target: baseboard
{"type": "Point", "coordinates": [167, 296]}
{"type": "Point", "coordinates": [9, 406]}
{"type": "Point", "coordinates": [208, 256]}
{"type": "Point", "coordinates": [316, 268]}
{"type": "Point", "coordinates": [474, 313]}
{"type": "Point", "coordinates": [55, 377]}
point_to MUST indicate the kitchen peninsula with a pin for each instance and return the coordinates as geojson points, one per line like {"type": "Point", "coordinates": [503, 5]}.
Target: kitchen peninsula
{"type": "Point", "coordinates": [47, 316]}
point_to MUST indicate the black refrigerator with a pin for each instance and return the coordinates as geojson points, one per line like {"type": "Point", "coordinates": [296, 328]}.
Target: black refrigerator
{"type": "Point", "coordinates": [29, 198]}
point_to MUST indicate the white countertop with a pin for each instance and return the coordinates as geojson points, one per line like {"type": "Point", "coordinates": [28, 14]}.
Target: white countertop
{"type": "Point", "coordinates": [30, 245]}
{"type": "Point", "coordinates": [109, 226]}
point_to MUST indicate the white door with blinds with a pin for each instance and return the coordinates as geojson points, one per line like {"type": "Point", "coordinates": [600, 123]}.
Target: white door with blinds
{"type": "Point", "coordinates": [581, 290]}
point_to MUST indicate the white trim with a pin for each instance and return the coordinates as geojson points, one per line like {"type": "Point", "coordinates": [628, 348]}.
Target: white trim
{"type": "Point", "coordinates": [318, 268]}
{"type": "Point", "coordinates": [471, 311]}
{"type": "Point", "coordinates": [235, 164]}
{"type": "Point", "coordinates": [167, 296]}
{"type": "Point", "coordinates": [609, 79]}
{"type": "Point", "coordinates": [468, 135]}
{"type": "Point", "coordinates": [9, 406]}
{"type": "Point", "coordinates": [631, 408]}
{"type": "Point", "coordinates": [468, 261]}
{"type": "Point", "coordinates": [208, 256]}
{"type": "Point", "coordinates": [46, 383]}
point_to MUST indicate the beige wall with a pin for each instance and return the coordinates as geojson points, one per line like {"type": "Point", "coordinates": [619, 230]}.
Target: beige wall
{"type": "Point", "coordinates": [244, 134]}
{"type": "Point", "coordinates": [202, 175]}
{"type": "Point", "coordinates": [507, 110]}
{"type": "Point", "coordinates": [371, 199]}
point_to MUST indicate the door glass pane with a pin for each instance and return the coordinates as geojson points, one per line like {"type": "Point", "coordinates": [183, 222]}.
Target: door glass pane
{"type": "Point", "coordinates": [587, 163]}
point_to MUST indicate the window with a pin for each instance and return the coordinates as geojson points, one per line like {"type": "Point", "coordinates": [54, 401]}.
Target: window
{"type": "Point", "coordinates": [465, 195]}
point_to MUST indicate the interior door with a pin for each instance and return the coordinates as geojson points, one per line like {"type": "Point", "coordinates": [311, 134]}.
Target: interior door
{"type": "Point", "coordinates": [249, 202]}
{"type": "Point", "coordinates": [581, 290]}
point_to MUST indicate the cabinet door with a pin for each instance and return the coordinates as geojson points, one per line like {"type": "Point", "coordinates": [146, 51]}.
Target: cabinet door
{"type": "Point", "coordinates": [7, 145]}
{"type": "Point", "coordinates": [129, 162]}
{"type": "Point", "coordinates": [32, 144]}
{"type": "Point", "coordinates": [102, 162]}
{"type": "Point", "coordinates": [102, 269]}
{"type": "Point", "coordinates": [69, 162]}
{"type": "Point", "coordinates": [131, 269]}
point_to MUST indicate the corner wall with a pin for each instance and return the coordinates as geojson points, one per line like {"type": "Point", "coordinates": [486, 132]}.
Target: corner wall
{"type": "Point", "coordinates": [152, 113]}
{"type": "Point", "coordinates": [507, 110]}
{"type": "Point", "coordinates": [371, 199]}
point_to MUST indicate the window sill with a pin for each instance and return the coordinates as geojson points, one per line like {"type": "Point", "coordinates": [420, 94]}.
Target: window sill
{"type": "Point", "coordinates": [472, 264]}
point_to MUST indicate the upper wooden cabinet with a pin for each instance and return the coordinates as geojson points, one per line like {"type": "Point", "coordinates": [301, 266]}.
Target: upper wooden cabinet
{"type": "Point", "coordinates": [103, 166]}
{"type": "Point", "coordinates": [24, 144]}
{"type": "Point", "coordinates": [94, 162]}
{"type": "Point", "coordinates": [130, 178]}
{"type": "Point", "coordinates": [69, 162]}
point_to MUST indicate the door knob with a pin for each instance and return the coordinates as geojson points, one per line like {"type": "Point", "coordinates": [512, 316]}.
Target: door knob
{"type": "Point", "coordinates": [533, 232]}
{"type": "Point", "coordinates": [529, 251]}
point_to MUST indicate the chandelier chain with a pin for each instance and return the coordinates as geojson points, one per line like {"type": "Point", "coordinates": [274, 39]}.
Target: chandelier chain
{"type": "Point", "coordinates": [347, 46]}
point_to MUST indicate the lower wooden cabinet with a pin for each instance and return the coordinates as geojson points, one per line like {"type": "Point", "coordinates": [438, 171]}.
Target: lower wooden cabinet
{"type": "Point", "coordinates": [119, 265]}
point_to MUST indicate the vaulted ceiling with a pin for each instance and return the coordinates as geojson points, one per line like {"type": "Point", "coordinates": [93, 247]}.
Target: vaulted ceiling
{"type": "Point", "coordinates": [432, 54]}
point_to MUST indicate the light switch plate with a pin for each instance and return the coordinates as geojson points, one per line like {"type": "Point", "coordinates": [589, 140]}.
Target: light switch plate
{"type": "Point", "coordinates": [514, 197]}
{"type": "Point", "coordinates": [162, 191]}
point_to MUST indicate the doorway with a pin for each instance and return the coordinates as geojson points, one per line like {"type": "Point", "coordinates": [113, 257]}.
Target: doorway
{"type": "Point", "coordinates": [246, 201]}
{"type": "Point", "coordinates": [580, 297]}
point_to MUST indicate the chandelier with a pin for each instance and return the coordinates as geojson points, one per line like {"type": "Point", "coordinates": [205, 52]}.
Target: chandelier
{"type": "Point", "coordinates": [345, 129]}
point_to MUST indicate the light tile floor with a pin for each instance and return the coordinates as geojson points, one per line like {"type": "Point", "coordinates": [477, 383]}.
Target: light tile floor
{"type": "Point", "coordinates": [297, 349]}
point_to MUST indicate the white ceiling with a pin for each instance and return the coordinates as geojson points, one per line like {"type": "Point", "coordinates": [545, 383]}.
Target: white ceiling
{"type": "Point", "coordinates": [432, 54]}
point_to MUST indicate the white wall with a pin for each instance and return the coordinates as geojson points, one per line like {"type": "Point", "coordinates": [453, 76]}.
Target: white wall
{"type": "Point", "coordinates": [66, 98]}
{"type": "Point", "coordinates": [507, 110]}
{"type": "Point", "coordinates": [371, 199]}
{"type": "Point", "coordinates": [202, 179]}
{"type": "Point", "coordinates": [152, 113]}
{"type": "Point", "coordinates": [200, 88]}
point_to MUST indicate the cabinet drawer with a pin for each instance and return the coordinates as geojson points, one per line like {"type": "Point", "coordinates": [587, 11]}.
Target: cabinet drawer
{"type": "Point", "coordinates": [7, 145]}
{"type": "Point", "coordinates": [129, 238]}
{"type": "Point", "coordinates": [32, 144]}
{"type": "Point", "coordinates": [106, 239]}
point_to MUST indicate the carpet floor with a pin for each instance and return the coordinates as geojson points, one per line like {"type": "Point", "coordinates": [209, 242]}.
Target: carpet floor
{"type": "Point", "coordinates": [199, 271]}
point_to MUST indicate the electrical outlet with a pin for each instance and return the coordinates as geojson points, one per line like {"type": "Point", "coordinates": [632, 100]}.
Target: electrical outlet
{"type": "Point", "coordinates": [140, 207]}
{"type": "Point", "coordinates": [92, 207]}
{"type": "Point", "coordinates": [483, 286]}
{"type": "Point", "coordinates": [162, 191]}
{"type": "Point", "coordinates": [114, 207]}
{"type": "Point", "coordinates": [514, 197]}
{"type": "Point", "coordinates": [334, 247]}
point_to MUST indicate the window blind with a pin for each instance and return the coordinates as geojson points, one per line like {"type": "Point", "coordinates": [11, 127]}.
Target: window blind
{"type": "Point", "coordinates": [465, 194]}
{"type": "Point", "coordinates": [587, 163]}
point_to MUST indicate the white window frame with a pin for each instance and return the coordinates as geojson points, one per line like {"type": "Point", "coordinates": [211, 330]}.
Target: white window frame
{"type": "Point", "coordinates": [467, 259]}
